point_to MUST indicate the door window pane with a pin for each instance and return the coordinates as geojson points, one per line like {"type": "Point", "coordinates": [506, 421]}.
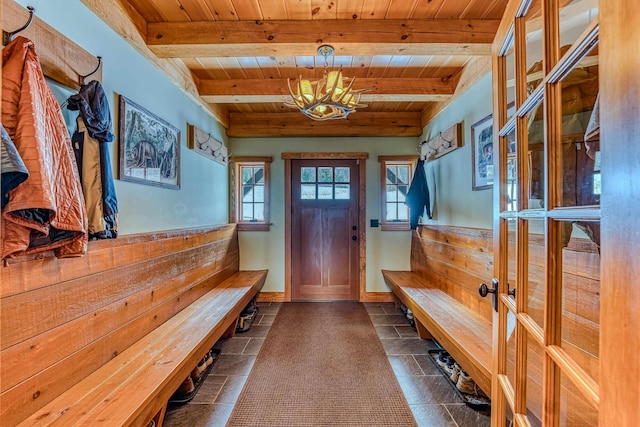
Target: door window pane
{"type": "Point", "coordinates": [308, 174]}
{"type": "Point", "coordinates": [535, 358]}
{"type": "Point", "coordinates": [581, 294]}
{"type": "Point", "coordinates": [307, 191]}
{"type": "Point", "coordinates": [535, 266]}
{"type": "Point", "coordinates": [535, 72]}
{"type": "Point", "coordinates": [581, 135]}
{"type": "Point", "coordinates": [536, 165]}
{"type": "Point", "coordinates": [575, 409]}
{"type": "Point", "coordinates": [342, 175]}
{"type": "Point", "coordinates": [325, 174]}
{"type": "Point", "coordinates": [325, 191]}
{"type": "Point", "coordinates": [343, 191]}
{"type": "Point", "coordinates": [575, 17]}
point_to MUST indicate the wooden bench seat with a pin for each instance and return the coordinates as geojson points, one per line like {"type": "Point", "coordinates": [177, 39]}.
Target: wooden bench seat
{"type": "Point", "coordinates": [136, 384]}
{"type": "Point", "coordinates": [462, 332]}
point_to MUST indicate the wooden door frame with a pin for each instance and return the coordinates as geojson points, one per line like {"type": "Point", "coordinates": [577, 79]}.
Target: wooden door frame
{"type": "Point", "coordinates": [362, 204]}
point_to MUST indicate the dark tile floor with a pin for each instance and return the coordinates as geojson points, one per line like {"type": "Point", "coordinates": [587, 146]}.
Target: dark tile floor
{"type": "Point", "coordinates": [431, 398]}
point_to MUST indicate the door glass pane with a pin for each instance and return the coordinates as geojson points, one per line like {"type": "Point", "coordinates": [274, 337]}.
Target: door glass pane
{"type": "Point", "coordinates": [342, 174]}
{"type": "Point", "coordinates": [308, 174]}
{"type": "Point", "coordinates": [511, 82]}
{"type": "Point", "coordinates": [512, 183]}
{"type": "Point", "coordinates": [308, 191]}
{"type": "Point", "coordinates": [511, 253]}
{"type": "Point", "coordinates": [575, 410]}
{"type": "Point", "coordinates": [535, 273]}
{"type": "Point", "coordinates": [535, 157]}
{"type": "Point", "coordinates": [343, 191]}
{"type": "Point", "coordinates": [258, 174]}
{"type": "Point", "coordinates": [535, 356]}
{"type": "Point", "coordinates": [581, 294]}
{"type": "Point", "coordinates": [535, 71]}
{"type": "Point", "coordinates": [581, 135]}
{"type": "Point", "coordinates": [325, 174]}
{"type": "Point", "coordinates": [511, 349]}
{"type": "Point", "coordinates": [575, 17]}
{"type": "Point", "coordinates": [325, 191]}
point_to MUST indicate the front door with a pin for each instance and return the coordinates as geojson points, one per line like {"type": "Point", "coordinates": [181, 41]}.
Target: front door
{"type": "Point", "coordinates": [324, 230]}
{"type": "Point", "coordinates": [547, 195]}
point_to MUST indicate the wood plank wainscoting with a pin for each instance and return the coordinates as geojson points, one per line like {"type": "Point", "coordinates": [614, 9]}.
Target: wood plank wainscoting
{"type": "Point", "coordinates": [62, 319]}
{"type": "Point", "coordinates": [455, 259]}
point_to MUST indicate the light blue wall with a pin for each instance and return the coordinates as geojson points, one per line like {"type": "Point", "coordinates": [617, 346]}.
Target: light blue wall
{"type": "Point", "coordinates": [203, 197]}
{"type": "Point", "coordinates": [455, 202]}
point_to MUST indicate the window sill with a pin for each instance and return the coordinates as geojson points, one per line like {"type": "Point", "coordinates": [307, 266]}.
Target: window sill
{"type": "Point", "coordinates": [395, 226]}
{"type": "Point", "coordinates": [253, 226]}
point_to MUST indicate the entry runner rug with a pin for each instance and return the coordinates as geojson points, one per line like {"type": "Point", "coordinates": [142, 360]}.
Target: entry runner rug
{"type": "Point", "coordinates": [322, 364]}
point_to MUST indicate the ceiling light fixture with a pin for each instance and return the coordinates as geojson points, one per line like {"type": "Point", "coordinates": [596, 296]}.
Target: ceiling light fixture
{"type": "Point", "coordinates": [326, 98]}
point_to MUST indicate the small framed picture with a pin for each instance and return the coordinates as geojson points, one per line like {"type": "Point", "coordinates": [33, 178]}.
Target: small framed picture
{"type": "Point", "coordinates": [149, 147]}
{"type": "Point", "coordinates": [482, 154]}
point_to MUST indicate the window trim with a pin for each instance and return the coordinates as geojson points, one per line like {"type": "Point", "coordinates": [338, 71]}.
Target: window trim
{"type": "Point", "coordinates": [235, 163]}
{"type": "Point", "coordinates": [394, 160]}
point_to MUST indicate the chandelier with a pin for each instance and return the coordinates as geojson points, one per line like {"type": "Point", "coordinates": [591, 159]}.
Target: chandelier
{"type": "Point", "coordinates": [326, 98]}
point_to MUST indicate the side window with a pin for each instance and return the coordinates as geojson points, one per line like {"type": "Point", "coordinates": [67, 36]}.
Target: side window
{"type": "Point", "coordinates": [396, 173]}
{"type": "Point", "coordinates": [250, 192]}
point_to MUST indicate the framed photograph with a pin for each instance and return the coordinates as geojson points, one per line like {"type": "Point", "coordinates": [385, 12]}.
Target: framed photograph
{"type": "Point", "coordinates": [482, 153]}
{"type": "Point", "coordinates": [149, 147]}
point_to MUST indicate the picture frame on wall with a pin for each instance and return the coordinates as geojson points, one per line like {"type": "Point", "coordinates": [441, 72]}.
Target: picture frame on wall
{"type": "Point", "coordinates": [149, 147]}
{"type": "Point", "coordinates": [482, 154]}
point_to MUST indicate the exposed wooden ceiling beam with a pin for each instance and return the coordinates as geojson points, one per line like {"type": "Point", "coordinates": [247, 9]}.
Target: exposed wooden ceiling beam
{"type": "Point", "coordinates": [380, 90]}
{"type": "Point", "coordinates": [119, 17]}
{"type": "Point", "coordinates": [348, 37]}
{"type": "Point", "coordinates": [296, 124]}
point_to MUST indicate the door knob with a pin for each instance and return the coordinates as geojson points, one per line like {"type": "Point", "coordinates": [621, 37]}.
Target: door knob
{"type": "Point", "coordinates": [484, 290]}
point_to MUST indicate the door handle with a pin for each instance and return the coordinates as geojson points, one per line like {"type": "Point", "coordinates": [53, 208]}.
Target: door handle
{"type": "Point", "coordinates": [484, 290]}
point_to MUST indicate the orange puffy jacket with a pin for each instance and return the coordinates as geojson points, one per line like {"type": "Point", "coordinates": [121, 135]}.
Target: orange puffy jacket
{"type": "Point", "coordinates": [47, 211]}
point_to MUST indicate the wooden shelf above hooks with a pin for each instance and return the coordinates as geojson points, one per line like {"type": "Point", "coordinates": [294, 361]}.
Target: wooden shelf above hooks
{"type": "Point", "coordinates": [61, 59]}
{"type": "Point", "coordinates": [443, 143]}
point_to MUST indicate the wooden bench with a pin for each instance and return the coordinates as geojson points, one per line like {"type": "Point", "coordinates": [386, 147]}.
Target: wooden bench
{"type": "Point", "coordinates": [448, 264]}
{"type": "Point", "coordinates": [107, 338]}
{"type": "Point", "coordinates": [461, 331]}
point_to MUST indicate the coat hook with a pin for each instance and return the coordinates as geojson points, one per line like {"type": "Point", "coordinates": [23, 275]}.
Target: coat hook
{"type": "Point", "coordinates": [82, 78]}
{"type": "Point", "coordinates": [8, 37]}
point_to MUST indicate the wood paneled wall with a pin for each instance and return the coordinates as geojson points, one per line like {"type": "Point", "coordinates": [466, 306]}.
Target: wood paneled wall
{"type": "Point", "coordinates": [61, 319]}
{"type": "Point", "coordinates": [457, 260]}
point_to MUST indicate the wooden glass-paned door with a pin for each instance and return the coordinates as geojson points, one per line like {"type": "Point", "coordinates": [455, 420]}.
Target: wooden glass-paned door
{"type": "Point", "coordinates": [547, 229]}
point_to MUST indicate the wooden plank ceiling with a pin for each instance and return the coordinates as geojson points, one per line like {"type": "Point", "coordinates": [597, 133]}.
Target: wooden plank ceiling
{"type": "Point", "coordinates": [411, 54]}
